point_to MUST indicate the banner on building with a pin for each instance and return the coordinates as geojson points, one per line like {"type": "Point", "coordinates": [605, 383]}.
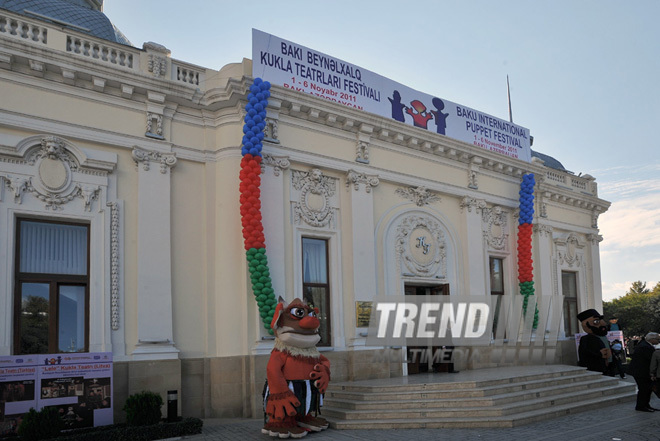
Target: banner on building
{"type": "Point", "coordinates": [79, 385]}
{"type": "Point", "coordinates": [305, 70]}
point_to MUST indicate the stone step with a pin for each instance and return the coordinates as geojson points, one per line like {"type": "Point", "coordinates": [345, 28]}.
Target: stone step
{"type": "Point", "coordinates": [386, 393]}
{"type": "Point", "coordinates": [492, 400]}
{"type": "Point", "coordinates": [476, 411]}
{"type": "Point", "coordinates": [432, 385]}
{"type": "Point", "coordinates": [574, 406]}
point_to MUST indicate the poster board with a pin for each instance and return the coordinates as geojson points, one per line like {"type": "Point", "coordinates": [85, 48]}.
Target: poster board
{"type": "Point", "coordinates": [79, 385]}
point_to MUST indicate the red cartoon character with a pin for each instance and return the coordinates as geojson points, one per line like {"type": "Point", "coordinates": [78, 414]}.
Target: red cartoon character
{"type": "Point", "coordinates": [419, 115]}
{"type": "Point", "coordinates": [297, 374]}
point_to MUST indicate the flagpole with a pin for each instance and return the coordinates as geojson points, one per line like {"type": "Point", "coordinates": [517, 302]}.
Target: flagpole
{"type": "Point", "coordinates": [508, 93]}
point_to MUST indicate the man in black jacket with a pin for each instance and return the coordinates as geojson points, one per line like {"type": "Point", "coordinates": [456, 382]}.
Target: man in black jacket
{"type": "Point", "coordinates": [592, 351]}
{"type": "Point", "coordinates": [639, 368]}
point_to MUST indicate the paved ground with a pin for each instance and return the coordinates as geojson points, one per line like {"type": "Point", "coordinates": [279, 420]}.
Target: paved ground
{"type": "Point", "coordinates": [612, 423]}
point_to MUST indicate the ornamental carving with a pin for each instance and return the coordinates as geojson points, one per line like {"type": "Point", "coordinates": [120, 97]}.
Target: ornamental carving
{"type": "Point", "coordinates": [52, 181]}
{"type": "Point", "coordinates": [543, 230]}
{"type": "Point", "coordinates": [362, 152]}
{"type": "Point", "coordinates": [157, 65]}
{"type": "Point", "coordinates": [421, 247]}
{"type": "Point", "coordinates": [420, 196]}
{"type": "Point", "coordinates": [271, 131]}
{"type": "Point", "coordinates": [167, 161]}
{"type": "Point", "coordinates": [568, 250]}
{"type": "Point", "coordinates": [315, 192]}
{"type": "Point", "coordinates": [154, 126]}
{"type": "Point", "coordinates": [114, 264]}
{"type": "Point", "coordinates": [468, 203]}
{"type": "Point", "coordinates": [278, 163]}
{"type": "Point", "coordinates": [354, 178]}
{"type": "Point", "coordinates": [495, 229]}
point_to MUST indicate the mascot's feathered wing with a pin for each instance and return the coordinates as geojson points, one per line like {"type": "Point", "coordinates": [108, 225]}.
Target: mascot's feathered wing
{"type": "Point", "coordinates": [297, 374]}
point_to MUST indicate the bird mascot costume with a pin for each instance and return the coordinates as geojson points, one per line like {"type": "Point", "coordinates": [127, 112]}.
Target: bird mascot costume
{"type": "Point", "coordinates": [592, 351]}
{"type": "Point", "coordinates": [297, 374]}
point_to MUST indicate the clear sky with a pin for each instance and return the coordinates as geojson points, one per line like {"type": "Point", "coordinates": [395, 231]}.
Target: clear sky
{"type": "Point", "coordinates": [584, 79]}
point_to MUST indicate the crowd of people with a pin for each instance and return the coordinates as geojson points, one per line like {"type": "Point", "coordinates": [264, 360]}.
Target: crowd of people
{"type": "Point", "coordinates": [597, 353]}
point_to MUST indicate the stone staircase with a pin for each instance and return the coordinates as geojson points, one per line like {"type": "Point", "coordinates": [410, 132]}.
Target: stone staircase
{"type": "Point", "coordinates": [502, 397]}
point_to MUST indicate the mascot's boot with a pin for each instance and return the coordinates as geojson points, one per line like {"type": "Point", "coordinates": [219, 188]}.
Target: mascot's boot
{"type": "Point", "coordinates": [284, 429]}
{"type": "Point", "coordinates": [315, 424]}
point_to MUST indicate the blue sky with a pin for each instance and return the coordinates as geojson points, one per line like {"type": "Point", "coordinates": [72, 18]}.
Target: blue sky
{"type": "Point", "coordinates": [584, 79]}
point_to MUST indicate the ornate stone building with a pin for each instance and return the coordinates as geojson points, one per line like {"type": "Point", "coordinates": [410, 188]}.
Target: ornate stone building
{"type": "Point", "coordinates": [137, 153]}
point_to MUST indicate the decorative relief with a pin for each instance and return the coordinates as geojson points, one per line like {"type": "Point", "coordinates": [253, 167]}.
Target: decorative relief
{"type": "Point", "coordinates": [543, 230]}
{"type": "Point", "coordinates": [18, 186]}
{"type": "Point", "coordinates": [595, 239]}
{"type": "Point", "coordinates": [362, 152]}
{"type": "Point", "coordinates": [421, 247]}
{"type": "Point", "coordinates": [494, 222]}
{"type": "Point", "coordinates": [278, 163]}
{"type": "Point", "coordinates": [469, 203]}
{"type": "Point", "coordinates": [154, 121]}
{"type": "Point", "coordinates": [114, 264]}
{"type": "Point", "coordinates": [473, 181]}
{"type": "Point", "coordinates": [167, 161]}
{"type": "Point", "coordinates": [354, 178]}
{"type": "Point", "coordinates": [157, 65]}
{"type": "Point", "coordinates": [419, 195]}
{"type": "Point", "coordinates": [271, 131]}
{"type": "Point", "coordinates": [568, 250]}
{"type": "Point", "coordinates": [314, 205]}
{"type": "Point", "coordinates": [52, 180]}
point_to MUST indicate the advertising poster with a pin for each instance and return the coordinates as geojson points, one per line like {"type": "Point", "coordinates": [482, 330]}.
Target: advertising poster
{"type": "Point", "coordinates": [299, 68]}
{"type": "Point", "coordinates": [18, 390]}
{"type": "Point", "coordinates": [79, 385]}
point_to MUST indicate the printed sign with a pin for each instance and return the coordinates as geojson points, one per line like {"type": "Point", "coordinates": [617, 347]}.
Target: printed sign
{"type": "Point", "coordinates": [78, 384]}
{"type": "Point", "coordinates": [299, 68]}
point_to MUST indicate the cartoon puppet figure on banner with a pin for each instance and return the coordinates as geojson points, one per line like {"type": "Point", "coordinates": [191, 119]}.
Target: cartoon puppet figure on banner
{"type": "Point", "coordinates": [297, 374]}
{"type": "Point", "coordinates": [594, 351]}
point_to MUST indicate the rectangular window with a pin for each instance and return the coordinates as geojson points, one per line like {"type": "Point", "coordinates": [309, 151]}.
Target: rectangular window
{"type": "Point", "coordinates": [316, 288]}
{"type": "Point", "coordinates": [51, 300]}
{"type": "Point", "coordinates": [569, 291]}
{"type": "Point", "coordinates": [496, 289]}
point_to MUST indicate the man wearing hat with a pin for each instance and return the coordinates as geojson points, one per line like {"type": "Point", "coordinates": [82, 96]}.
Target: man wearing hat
{"type": "Point", "coordinates": [592, 351]}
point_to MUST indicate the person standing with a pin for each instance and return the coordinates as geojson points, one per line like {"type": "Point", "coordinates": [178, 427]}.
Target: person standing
{"type": "Point", "coordinates": [640, 368]}
{"type": "Point", "coordinates": [592, 352]}
{"type": "Point", "coordinates": [655, 369]}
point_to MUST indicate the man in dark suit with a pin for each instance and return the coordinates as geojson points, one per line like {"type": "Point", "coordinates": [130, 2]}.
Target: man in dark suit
{"type": "Point", "coordinates": [640, 369]}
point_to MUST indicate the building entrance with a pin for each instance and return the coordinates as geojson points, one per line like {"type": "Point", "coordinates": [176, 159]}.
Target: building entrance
{"type": "Point", "coordinates": [420, 358]}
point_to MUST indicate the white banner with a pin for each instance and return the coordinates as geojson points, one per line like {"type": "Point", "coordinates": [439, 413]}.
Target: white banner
{"type": "Point", "coordinates": [296, 67]}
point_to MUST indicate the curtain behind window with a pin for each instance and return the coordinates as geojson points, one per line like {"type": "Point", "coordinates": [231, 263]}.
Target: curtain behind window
{"type": "Point", "coordinates": [314, 261]}
{"type": "Point", "coordinates": [53, 248]}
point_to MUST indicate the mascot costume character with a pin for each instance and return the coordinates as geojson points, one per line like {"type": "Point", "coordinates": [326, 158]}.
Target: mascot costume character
{"type": "Point", "coordinates": [593, 353]}
{"type": "Point", "coordinates": [297, 374]}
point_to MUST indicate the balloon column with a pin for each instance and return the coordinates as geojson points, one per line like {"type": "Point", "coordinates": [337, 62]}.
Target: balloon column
{"type": "Point", "coordinates": [250, 181]}
{"type": "Point", "coordinates": [525, 269]}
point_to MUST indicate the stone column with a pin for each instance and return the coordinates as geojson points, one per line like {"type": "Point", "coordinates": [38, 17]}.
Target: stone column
{"type": "Point", "coordinates": [364, 242]}
{"type": "Point", "coordinates": [594, 249]}
{"type": "Point", "coordinates": [154, 261]}
{"type": "Point", "coordinates": [475, 255]}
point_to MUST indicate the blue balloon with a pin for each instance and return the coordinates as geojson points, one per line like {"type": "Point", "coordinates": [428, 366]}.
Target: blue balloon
{"type": "Point", "coordinates": [266, 94]}
{"type": "Point", "coordinates": [244, 151]}
{"type": "Point", "coordinates": [254, 102]}
{"type": "Point", "coordinates": [254, 151]}
{"type": "Point", "coordinates": [260, 96]}
{"type": "Point", "coordinates": [250, 123]}
{"type": "Point", "coordinates": [258, 81]}
{"type": "Point", "coordinates": [252, 112]}
{"type": "Point", "coordinates": [254, 140]}
{"type": "Point", "coordinates": [249, 145]}
{"type": "Point", "coordinates": [260, 136]}
{"type": "Point", "coordinates": [257, 119]}
{"type": "Point", "coordinates": [245, 129]}
{"type": "Point", "coordinates": [266, 85]}
{"type": "Point", "coordinates": [264, 103]}
{"type": "Point", "coordinates": [255, 88]}
{"type": "Point", "coordinates": [258, 107]}
{"type": "Point", "coordinates": [261, 125]}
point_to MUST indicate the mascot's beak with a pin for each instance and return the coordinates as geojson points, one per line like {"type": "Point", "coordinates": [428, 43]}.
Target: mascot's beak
{"type": "Point", "coordinates": [310, 323]}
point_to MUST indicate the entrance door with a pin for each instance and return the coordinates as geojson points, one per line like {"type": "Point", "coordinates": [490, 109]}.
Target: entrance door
{"type": "Point", "coordinates": [420, 358]}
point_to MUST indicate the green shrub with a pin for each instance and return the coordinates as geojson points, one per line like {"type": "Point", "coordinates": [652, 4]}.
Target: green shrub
{"type": "Point", "coordinates": [143, 409]}
{"type": "Point", "coordinates": [44, 424]}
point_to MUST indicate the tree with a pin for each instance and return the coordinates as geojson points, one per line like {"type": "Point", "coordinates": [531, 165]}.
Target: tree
{"type": "Point", "coordinates": [638, 287]}
{"type": "Point", "coordinates": [638, 310]}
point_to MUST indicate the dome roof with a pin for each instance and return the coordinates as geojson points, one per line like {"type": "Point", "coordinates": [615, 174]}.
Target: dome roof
{"type": "Point", "coordinates": [81, 15]}
{"type": "Point", "coordinates": [548, 161]}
